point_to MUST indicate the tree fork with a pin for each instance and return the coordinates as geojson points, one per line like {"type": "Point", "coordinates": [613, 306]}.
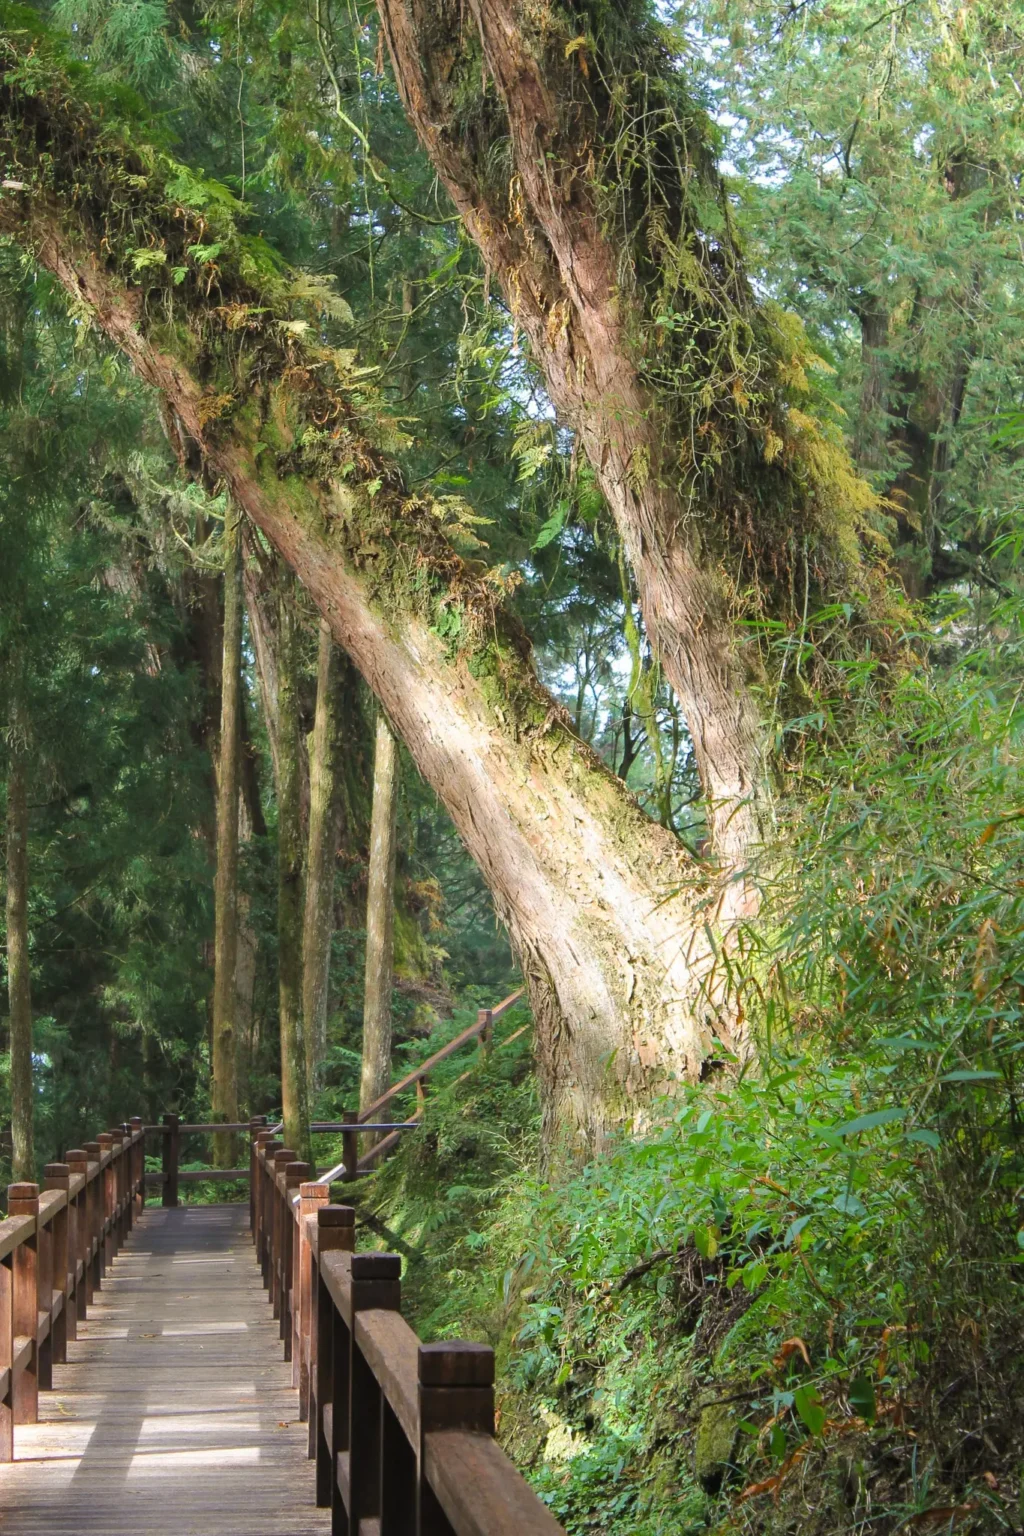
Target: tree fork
{"type": "Point", "coordinates": [608, 914]}
{"type": "Point", "coordinates": [550, 240]}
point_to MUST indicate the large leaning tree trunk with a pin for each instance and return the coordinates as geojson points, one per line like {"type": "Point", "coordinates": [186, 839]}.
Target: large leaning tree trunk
{"type": "Point", "coordinates": [375, 1077]}
{"type": "Point", "coordinates": [225, 1002]}
{"type": "Point", "coordinates": [321, 856]}
{"type": "Point", "coordinates": [18, 969]}
{"type": "Point", "coordinates": [607, 912]}
{"type": "Point", "coordinates": [587, 179]}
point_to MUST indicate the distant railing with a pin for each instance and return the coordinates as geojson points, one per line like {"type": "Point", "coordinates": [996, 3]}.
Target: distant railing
{"type": "Point", "coordinates": [55, 1247]}
{"type": "Point", "coordinates": [350, 1127]}
{"type": "Point", "coordinates": [402, 1432]}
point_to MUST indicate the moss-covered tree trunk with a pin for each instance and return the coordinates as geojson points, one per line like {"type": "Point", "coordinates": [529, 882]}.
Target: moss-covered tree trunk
{"type": "Point", "coordinates": [318, 922]}
{"type": "Point", "coordinates": [18, 969]}
{"type": "Point", "coordinates": [608, 914]}
{"type": "Point", "coordinates": [294, 1096]}
{"type": "Point", "coordinates": [587, 179]}
{"type": "Point", "coordinates": [225, 999]}
{"type": "Point", "coordinates": [380, 920]}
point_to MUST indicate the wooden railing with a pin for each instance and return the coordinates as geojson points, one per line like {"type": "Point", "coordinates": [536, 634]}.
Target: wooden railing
{"type": "Point", "coordinates": [402, 1432]}
{"type": "Point", "coordinates": [350, 1128]}
{"type": "Point", "coordinates": [55, 1246]}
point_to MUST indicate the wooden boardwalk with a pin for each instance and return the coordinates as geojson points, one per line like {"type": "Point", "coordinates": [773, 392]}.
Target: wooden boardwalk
{"type": "Point", "coordinates": [175, 1412]}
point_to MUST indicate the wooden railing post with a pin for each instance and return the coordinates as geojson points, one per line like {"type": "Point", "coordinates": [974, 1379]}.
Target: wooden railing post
{"type": "Point", "coordinates": [7, 1357]}
{"type": "Point", "coordinates": [138, 1155]}
{"type": "Point", "coordinates": [107, 1201]}
{"type": "Point", "coordinates": [23, 1200]}
{"type": "Point", "coordinates": [376, 1285]}
{"type": "Point", "coordinates": [94, 1222]}
{"type": "Point", "coordinates": [336, 1232]}
{"type": "Point", "coordinates": [311, 1198]}
{"type": "Point", "coordinates": [485, 1019]}
{"type": "Point", "coordinates": [169, 1160]}
{"type": "Point", "coordinates": [456, 1391]}
{"type": "Point", "coordinates": [119, 1214]}
{"type": "Point", "coordinates": [350, 1145]}
{"type": "Point", "coordinates": [295, 1174]}
{"type": "Point", "coordinates": [282, 1157]}
{"type": "Point", "coordinates": [44, 1303]}
{"type": "Point", "coordinates": [256, 1125]}
{"type": "Point", "coordinates": [265, 1149]}
{"type": "Point", "coordinates": [78, 1161]}
{"type": "Point", "coordinates": [58, 1176]}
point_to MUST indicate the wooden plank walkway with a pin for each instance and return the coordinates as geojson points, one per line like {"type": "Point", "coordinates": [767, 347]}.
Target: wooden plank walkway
{"type": "Point", "coordinates": [175, 1415]}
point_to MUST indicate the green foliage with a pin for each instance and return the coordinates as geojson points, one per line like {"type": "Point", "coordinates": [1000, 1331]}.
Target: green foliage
{"type": "Point", "coordinates": [800, 1283]}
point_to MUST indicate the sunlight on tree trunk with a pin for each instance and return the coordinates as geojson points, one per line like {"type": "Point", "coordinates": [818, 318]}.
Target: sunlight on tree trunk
{"type": "Point", "coordinates": [225, 1025]}
{"type": "Point", "coordinates": [18, 970]}
{"type": "Point", "coordinates": [380, 921]}
{"type": "Point", "coordinates": [294, 1098]}
{"type": "Point", "coordinates": [318, 925]}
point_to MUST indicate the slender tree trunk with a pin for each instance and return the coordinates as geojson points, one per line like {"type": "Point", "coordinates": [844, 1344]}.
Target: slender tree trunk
{"type": "Point", "coordinates": [318, 925]}
{"type": "Point", "coordinates": [225, 1022]}
{"type": "Point", "coordinates": [294, 1096]}
{"type": "Point", "coordinates": [260, 578]}
{"type": "Point", "coordinates": [18, 971]}
{"type": "Point", "coordinates": [380, 920]}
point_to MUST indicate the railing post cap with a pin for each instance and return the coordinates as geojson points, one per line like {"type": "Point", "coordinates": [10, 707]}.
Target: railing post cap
{"type": "Point", "coordinates": [456, 1363]}
{"type": "Point", "coordinates": [135, 1120]}
{"type": "Point", "coordinates": [335, 1215]}
{"type": "Point", "coordinates": [376, 1266]}
{"type": "Point", "coordinates": [22, 1194]}
{"type": "Point", "coordinates": [295, 1172]}
{"type": "Point", "coordinates": [76, 1155]}
{"type": "Point", "coordinates": [57, 1171]}
{"type": "Point", "coordinates": [313, 1191]}
{"type": "Point", "coordinates": [285, 1155]}
{"type": "Point", "coordinates": [105, 1138]}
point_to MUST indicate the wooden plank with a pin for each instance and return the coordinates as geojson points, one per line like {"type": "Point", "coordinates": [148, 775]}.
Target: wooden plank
{"type": "Point", "coordinates": [210, 1128]}
{"type": "Point", "coordinates": [50, 1202]}
{"type": "Point", "coordinates": [391, 1350]}
{"type": "Point", "coordinates": [214, 1175]}
{"type": "Point", "coordinates": [13, 1232]}
{"type": "Point", "coordinates": [479, 1489]}
{"type": "Point", "coordinates": [174, 1415]}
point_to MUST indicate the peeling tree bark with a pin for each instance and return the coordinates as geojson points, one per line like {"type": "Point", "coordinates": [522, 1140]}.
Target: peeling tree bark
{"type": "Point", "coordinates": [380, 920]}
{"type": "Point", "coordinates": [561, 275]}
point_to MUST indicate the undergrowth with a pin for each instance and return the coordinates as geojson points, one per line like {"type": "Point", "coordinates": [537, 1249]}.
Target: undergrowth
{"type": "Point", "coordinates": [795, 1304]}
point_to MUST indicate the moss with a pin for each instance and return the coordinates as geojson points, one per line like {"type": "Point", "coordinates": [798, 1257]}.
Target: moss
{"type": "Point", "coordinates": [713, 1446]}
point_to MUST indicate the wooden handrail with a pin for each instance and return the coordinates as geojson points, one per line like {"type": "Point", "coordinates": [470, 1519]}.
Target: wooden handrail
{"type": "Point", "coordinates": [55, 1245]}
{"type": "Point", "coordinates": [172, 1129]}
{"type": "Point", "coordinates": [484, 1022]}
{"type": "Point", "coordinates": [402, 1433]}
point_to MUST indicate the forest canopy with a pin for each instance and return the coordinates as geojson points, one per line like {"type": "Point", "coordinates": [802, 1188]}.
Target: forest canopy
{"type": "Point", "coordinates": [500, 495]}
